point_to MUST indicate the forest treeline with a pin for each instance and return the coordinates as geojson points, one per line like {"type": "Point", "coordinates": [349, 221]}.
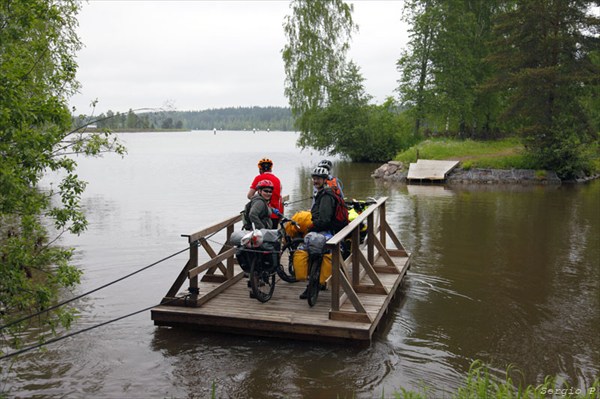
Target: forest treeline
{"type": "Point", "coordinates": [479, 69]}
{"type": "Point", "coordinates": [232, 118]}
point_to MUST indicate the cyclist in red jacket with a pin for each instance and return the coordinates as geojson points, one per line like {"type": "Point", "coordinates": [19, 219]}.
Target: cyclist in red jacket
{"type": "Point", "coordinates": [265, 170]}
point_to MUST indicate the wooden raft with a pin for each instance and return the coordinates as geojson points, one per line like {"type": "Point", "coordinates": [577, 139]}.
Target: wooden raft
{"type": "Point", "coordinates": [358, 293]}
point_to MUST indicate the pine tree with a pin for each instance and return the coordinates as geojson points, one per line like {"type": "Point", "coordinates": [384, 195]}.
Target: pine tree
{"type": "Point", "coordinates": [543, 66]}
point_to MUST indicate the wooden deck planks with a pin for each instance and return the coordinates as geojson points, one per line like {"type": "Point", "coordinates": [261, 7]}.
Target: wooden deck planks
{"type": "Point", "coordinates": [285, 314]}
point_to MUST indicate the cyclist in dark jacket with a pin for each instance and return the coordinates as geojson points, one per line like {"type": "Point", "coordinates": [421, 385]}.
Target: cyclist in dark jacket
{"type": "Point", "coordinates": [334, 182]}
{"type": "Point", "coordinates": [260, 212]}
{"type": "Point", "coordinates": [323, 209]}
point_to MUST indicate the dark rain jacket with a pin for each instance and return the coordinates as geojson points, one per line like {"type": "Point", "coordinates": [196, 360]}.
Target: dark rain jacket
{"type": "Point", "coordinates": [323, 210]}
{"type": "Point", "coordinates": [260, 213]}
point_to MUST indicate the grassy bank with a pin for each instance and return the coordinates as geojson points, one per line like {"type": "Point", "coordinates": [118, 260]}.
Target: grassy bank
{"type": "Point", "coordinates": [507, 153]}
{"type": "Point", "coordinates": [501, 154]}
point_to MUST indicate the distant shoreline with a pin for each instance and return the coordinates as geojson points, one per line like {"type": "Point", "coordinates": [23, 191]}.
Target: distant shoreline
{"type": "Point", "coordinates": [181, 130]}
{"type": "Point", "coordinates": [138, 130]}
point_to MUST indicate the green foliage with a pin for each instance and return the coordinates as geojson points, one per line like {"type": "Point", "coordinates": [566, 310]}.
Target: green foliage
{"type": "Point", "coordinates": [485, 69]}
{"type": "Point", "coordinates": [338, 127]}
{"type": "Point", "coordinates": [543, 64]}
{"type": "Point", "coordinates": [444, 65]}
{"type": "Point", "coordinates": [349, 126]}
{"type": "Point", "coordinates": [318, 32]}
{"type": "Point", "coordinates": [414, 64]}
{"type": "Point", "coordinates": [37, 75]}
{"type": "Point", "coordinates": [383, 135]}
{"type": "Point", "coordinates": [481, 384]}
{"type": "Point", "coordinates": [566, 153]}
{"type": "Point", "coordinates": [591, 96]}
{"type": "Point", "coordinates": [326, 92]}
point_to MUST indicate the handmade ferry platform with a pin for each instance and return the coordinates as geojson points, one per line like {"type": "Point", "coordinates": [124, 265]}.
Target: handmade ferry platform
{"type": "Point", "coordinates": [358, 293]}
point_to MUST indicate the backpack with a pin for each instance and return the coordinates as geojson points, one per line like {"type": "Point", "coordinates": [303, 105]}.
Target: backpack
{"type": "Point", "coordinates": [333, 184]}
{"type": "Point", "coordinates": [340, 216]}
{"type": "Point", "coordinates": [246, 223]}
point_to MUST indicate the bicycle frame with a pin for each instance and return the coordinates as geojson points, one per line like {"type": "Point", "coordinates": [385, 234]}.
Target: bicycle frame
{"type": "Point", "coordinates": [262, 259]}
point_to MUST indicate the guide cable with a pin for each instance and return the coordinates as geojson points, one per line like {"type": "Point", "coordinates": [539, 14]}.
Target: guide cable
{"type": "Point", "coordinates": [57, 339]}
{"type": "Point", "coordinates": [91, 292]}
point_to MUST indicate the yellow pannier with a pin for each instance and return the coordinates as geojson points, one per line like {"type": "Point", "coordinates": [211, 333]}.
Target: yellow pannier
{"type": "Point", "coordinates": [325, 268]}
{"type": "Point", "coordinates": [304, 219]}
{"type": "Point", "coordinates": [301, 266]}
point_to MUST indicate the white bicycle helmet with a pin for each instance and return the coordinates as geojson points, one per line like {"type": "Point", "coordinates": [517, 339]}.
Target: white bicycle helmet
{"type": "Point", "coordinates": [320, 171]}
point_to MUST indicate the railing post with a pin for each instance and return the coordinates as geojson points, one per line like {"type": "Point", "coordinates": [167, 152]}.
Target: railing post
{"type": "Point", "coordinates": [382, 222]}
{"type": "Point", "coordinates": [355, 256]}
{"type": "Point", "coordinates": [335, 278]}
{"type": "Point", "coordinates": [370, 238]}
{"type": "Point", "coordinates": [194, 290]}
{"type": "Point", "coordinates": [230, 262]}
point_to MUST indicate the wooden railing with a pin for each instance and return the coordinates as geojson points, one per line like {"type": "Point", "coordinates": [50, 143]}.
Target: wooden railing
{"type": "Point", "coordinates": [192, 270]}
{"type": "Point", "coordinates": [345, 282]}
{"type": "Point", "coordinates": [347, 274]}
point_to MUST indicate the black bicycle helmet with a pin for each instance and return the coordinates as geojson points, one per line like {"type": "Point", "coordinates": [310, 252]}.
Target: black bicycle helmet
{"type": "Point", "coordinates": [325, 164]}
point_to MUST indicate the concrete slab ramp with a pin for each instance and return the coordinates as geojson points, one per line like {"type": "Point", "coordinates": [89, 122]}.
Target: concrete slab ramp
{"type": "Point", "coordinates": [426, 169]}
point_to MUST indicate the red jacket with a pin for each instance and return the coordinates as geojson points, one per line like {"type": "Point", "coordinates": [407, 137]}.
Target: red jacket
{"type": "Point", "coordinates": [276, 201]}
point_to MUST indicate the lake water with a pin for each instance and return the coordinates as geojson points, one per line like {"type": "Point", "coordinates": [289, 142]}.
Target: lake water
{"type": "Point", "coordinates": [506, 274]}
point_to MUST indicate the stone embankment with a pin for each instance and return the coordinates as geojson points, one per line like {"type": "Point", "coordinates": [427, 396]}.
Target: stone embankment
{"type": "Point", "coordinates": [396, 171]}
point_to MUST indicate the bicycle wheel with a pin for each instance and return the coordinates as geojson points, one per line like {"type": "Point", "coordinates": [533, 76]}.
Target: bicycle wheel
{"type": "Point", "coordinates": [287, 252]}
{"type": "Point", "coordinates": [313, 280]}
{"type": "Point", "coordinates": [261, 281]}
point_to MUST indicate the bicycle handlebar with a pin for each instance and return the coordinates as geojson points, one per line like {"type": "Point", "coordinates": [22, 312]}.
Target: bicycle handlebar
{"type": "Point", "coordinates": [368, 201]}
{"type": "Point", "coordinates": [293, 222]}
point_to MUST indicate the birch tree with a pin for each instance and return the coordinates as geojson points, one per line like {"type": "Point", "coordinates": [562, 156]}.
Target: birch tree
{"type": "Point", "coordinates": [38, 44]}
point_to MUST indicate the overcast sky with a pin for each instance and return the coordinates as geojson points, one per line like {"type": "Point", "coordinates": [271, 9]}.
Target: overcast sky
{"type": "Point", "coordinates": [194, 55]}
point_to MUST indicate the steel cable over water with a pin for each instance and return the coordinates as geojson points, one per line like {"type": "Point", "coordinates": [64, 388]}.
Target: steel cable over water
{"type": "Point", "coordinates": [79, 297]}
{"type": "Point", "coordinates": [57, 339]}
{"type": "Point", "coordinates": [286, 203]}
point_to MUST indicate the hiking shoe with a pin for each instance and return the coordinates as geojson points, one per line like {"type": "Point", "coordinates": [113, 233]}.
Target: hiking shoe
{"type": "Point", "coordinates": [252, 295]}
{"type": "Point", "coordinates": [304, 295]}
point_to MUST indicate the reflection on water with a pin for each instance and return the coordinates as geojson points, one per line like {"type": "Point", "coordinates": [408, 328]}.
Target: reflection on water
{"type": "Point", "coordinates": [505, 274]}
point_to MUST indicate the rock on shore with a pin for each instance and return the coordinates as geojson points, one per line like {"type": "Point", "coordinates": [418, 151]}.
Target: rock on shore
{"type": "Point", "coordinates": [396, 171]}
{"type": "Point", "coordinates": [392, 171]}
